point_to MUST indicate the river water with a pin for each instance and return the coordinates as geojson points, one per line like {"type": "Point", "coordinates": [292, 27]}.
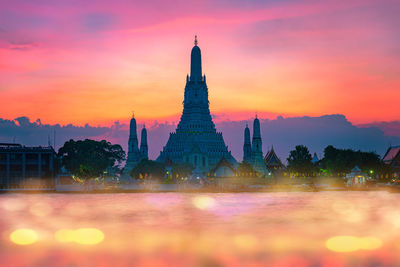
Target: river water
{"type": "Point", "coordinates": [181, 229]}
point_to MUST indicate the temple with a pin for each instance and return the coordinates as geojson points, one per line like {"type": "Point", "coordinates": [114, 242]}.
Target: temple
{"type": "Point", "coordinates": [272, 161]}
{"type": "Point", "coordinates": [135, 154]}
{"type": "Point", "coordinates": [247, 145]}
{"type": "Point", "coordinates": [196, 140]}
{"type": "Point", "coordinates": [257, 159]}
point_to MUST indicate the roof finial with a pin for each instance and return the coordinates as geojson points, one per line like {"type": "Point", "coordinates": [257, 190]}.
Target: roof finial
{"type": "Point", "coordinates": [195, 40]}
{"type": "Point", "coordinates": [133, 114]}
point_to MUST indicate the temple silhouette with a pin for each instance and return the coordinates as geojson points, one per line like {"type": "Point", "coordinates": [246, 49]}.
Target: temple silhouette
{"type": "Point", "coordinates": [196, 141]}
{"type": "Point", "coordinates": [135, 153]}
{"type": "Point", "coordinates": [252, 151]}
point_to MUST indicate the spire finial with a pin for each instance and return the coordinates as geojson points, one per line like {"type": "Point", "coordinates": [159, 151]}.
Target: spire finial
{"type": "Point", "coordinates": [195, 40]}
{"type": "Point", "coordinates": [133, 114]}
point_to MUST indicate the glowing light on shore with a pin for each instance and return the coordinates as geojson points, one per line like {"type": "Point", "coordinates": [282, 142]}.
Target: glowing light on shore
{"type": "Point", "coordinates": [352, 243]}
{"type": "Point", "coordinates": [24, 237]}
{"type": "Point", "coordinates": [84, 236]}
{"type": "Point", "coordinates": [203, 202]}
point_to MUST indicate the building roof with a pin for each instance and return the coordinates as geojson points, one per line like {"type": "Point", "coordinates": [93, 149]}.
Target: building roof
{"type": "Point", "coordinates": [6, 147]}
{"type": "Point", "coordinates": [391, 153]}
{"type": "Point", "coordinates": [223, 163]}
{"type": "Point", "coordinates": [272, 160]}
{"type": "Point", "coordinates": [315, 158]}
{"type": "Point", "coordinates": [356, 169]}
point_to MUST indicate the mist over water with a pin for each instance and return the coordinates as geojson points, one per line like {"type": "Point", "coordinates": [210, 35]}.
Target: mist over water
{"type": "Point", "coordinates": [295, 228]}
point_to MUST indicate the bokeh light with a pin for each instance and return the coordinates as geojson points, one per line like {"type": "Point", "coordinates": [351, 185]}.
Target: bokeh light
{"type": "Point", "coordinates": [88, 236]}
{"type": "Point", "coordinates": [352, 243]}
{"type": "Point", "coordinates": [204, 202]}
{"type": "Point", "coordinates": [84, 236]}
{"type": "Point", "coordinates": [24, 236]}
{"type": "Point", "coordinates": [370, 243]}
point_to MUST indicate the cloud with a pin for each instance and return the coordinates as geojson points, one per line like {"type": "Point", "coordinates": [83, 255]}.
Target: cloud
{"type": "Point", "coordinates": [25, 132]}
{"type": "Point", "coordinates": [23, 46]}
{"type": "Point", "coordinates": [391, 128]}
{"type": "Point", "coordinates": [314, 132]}
{"type": "Point", "coordinates": [283, 133]}
{"type": "Point", "coordinates": [135, 54]}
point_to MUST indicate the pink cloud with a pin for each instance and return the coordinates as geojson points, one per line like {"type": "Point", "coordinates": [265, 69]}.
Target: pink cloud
{"type": "Point", "coordinates": [300, 57]}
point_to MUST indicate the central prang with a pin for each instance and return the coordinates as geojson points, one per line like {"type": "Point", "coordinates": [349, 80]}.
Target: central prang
{"type": "Point", "coordinates": [196, 140]}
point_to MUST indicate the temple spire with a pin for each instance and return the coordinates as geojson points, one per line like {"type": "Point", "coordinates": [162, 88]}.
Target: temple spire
{"type": "Point", "coordinates": [247, 145]}
{"type": "Point", "coordinates": [133, 141]}
{"type": "Point", "coordinates": [143, 143]}
{"type": "Point", "coordinates": [195, 63]}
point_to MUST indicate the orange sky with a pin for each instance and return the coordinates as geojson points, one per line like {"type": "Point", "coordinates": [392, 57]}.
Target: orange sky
{"type": "Point", "coordinates": [96, 63]}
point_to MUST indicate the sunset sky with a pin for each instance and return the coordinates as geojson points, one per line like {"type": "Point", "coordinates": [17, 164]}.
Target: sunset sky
{"type": "Point", "coordinates": [97, 61]}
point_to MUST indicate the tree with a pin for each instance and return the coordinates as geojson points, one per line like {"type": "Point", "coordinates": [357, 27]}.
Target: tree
{"type": "Point", "coordinates": [181, 170]}
{"type": "Point", "coordinates": [300, 161]}
{"type": "Point", "coordinates": [148, 169]}
{"type": "Point", "coordinates": [340, 161]}
{"type": "Point", "coordinates": [89, 158]}
{"type": "Point", "coordinates": [245, 169]}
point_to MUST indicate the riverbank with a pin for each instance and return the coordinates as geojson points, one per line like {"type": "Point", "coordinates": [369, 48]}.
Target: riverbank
{"type": "Point", "coordinates": [177, 189]}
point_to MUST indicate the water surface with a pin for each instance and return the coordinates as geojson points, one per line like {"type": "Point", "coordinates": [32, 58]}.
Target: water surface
{"type": "Point", "coordinates": [254, 229]}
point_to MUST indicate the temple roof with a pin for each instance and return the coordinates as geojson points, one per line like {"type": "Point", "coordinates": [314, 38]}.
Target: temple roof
{"type": "Point", "coordinates": [223, 163]}
{"type": "Point", "coordinates": [271, 159]}
{"type": "Point", "coordinates": [356, 169]}
{"type": "Point", "coordinates": [391, 153]}
{"type": "Point", "coordinates": [315, 158]}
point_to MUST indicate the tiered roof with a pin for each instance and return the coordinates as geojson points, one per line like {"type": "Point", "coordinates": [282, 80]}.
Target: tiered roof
{"type": "Point", "coordinates": [272, 161]}
{"type": "Point", "coordinates": [391, 153]}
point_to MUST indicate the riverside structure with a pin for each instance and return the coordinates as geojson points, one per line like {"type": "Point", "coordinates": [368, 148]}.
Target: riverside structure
{"type": "Point", "coordinates": [26, 166]}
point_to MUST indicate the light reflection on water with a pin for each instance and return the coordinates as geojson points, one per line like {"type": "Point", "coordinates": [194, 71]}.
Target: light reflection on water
{"type": "Point", "coordinates": [285, 229]}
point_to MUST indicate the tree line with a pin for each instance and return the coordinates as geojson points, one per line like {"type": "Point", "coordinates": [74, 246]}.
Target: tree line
{"type": "Point", "coordinates": [89, 159]}
{"type": "Point", "coordinates": [336, 162]}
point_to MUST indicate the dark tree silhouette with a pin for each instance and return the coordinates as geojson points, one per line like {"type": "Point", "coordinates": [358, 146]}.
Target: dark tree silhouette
{"type": "Point", "coordinates": [89, 158]}
{"type": "Point", "coordinates": [300, 161]}
{"type": "Point", "coordinates": [246, 170]}
{"type": "Point", "coordinates": [148, 169]}
{"type": "Point", "coordinates": [340, 161]}
{"type": "Point", "coordinates": [181, 170]}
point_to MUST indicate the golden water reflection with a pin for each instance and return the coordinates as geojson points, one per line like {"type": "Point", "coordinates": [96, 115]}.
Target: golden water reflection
{"type": "Point", "coordinates": [281, 229]}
